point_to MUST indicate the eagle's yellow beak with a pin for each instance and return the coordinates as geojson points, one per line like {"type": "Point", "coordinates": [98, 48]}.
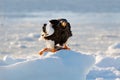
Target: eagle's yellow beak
{"type": "Point", "coordinates": [64, 24]}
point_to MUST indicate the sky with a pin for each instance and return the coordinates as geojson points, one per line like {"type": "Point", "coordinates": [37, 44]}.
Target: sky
{"type": "Point", "coordinates": [60, 5]}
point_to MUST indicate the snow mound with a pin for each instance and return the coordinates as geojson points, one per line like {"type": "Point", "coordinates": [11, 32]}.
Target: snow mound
{"type": "Point", "coordinates": [114, 50]}
{"type": "Point", "coordinates": [64, 65]}
{"type": "Point", "coordinates": [110, 62]}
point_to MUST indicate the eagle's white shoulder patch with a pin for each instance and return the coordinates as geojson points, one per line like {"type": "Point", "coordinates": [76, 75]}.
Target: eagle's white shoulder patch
{"type": "Point", "coordinates": [49, 29]}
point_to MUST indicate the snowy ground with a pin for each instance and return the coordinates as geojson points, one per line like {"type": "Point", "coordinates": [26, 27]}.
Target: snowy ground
{"type": "Point", "coordinates": [64, 65]}
{"type": "Point", "coordinates": [96, 34]}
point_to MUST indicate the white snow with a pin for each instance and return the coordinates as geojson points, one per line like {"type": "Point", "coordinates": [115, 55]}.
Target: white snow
{"type": "Point", "coordinates": [117, 79]}
{"type": "Point", "coordinates": [114, 50]}
{"type": "Point", "coordinates": [96, 34]}
{"type": "Point", "coordinates": [99, 79]}
{"type": "Point", "coordinates": [63, 65]}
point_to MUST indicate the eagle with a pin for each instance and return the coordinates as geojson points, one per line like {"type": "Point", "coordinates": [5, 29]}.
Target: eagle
{"type": "Point", "coordinates": [56, 34]}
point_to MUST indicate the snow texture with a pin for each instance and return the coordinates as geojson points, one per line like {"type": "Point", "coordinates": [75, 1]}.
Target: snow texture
{"type": "Point", "coordinates": [108, 66]}
{"type": "Point", "coordinates": [114, 50]}
{"type": "Point", "coordinates": [63, 65]}
{"type": "Point", "coordinates": [96, 31]}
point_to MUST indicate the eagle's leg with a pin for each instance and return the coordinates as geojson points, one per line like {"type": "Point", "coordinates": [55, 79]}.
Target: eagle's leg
{"type": "Point", "coordinates": [66, 47]}
{"type": "Point", "coordinates": [47, 50]}
{"type": "Point", "coordinates": [42, 51]}
{"type": "Point", "coordinates": [53, 50]}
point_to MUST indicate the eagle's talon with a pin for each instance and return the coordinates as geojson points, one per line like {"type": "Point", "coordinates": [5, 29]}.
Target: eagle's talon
{"type": "Point", "coordinates": [47, 50]}
{"type": "Point", "coordinates": [53, 50]}
{"type": "Point", "coordinates": [66, 47]}
{"type": "Point", "coordinates": [42, 51]}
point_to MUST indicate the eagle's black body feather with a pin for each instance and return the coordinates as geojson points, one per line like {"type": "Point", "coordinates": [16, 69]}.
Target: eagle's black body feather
{"type": "Point", "coordinates": [61, 33]}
